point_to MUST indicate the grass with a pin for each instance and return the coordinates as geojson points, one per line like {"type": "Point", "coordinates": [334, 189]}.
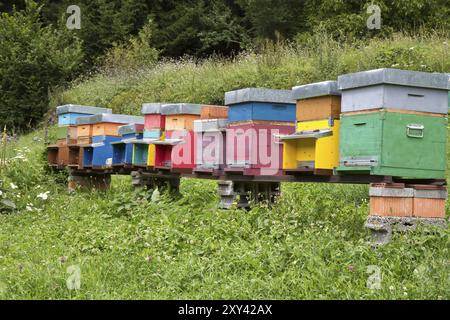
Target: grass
{"type": "Point", "coordinates": [311, 245]}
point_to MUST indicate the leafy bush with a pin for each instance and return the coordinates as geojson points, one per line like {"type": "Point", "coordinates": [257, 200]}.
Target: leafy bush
{"type": "Point", "coordinates": [33, 59]}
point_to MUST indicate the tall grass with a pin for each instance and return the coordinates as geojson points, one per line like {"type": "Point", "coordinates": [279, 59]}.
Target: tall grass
{"type": "Point", "coordinates": [278, 66]}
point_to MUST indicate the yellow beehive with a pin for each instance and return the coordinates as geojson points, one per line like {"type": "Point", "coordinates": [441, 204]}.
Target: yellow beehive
{"type": "Point", "coordinates": [315, 153]}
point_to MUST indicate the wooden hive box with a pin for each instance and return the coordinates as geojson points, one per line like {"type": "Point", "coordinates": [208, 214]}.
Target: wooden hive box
{"type": "Point", "coordinates": [176, 151]}
{"type": "Point", "coordinates": [214, 112]}
{"type": "Point", "coordinates": [123, 149]}
{"type": "Point", "coordinates": [210, 149]}
{"type": "Point", "coordinates": [394, 143]}
{"type": "Point", "coordinates": [394, 89]}
{"type": "Point", "coordinates": [106, 124]}
{"type": "Point", "coordinates": [314, 147]}
{"type": "Point", "coordinates": [144, 151]}
{"type": "Point", "coordinates": [254, 104]}
{"type": "Point", "coordinates": [181, 116]}
{"type": "Point", "coordinates": [254, 148]}
{"type": "Point", "coordinates": [68, 114]}
{"type": "Point", "coordinates": [153, 117]}
{"type": "Point", "coordinates": [317, 101]}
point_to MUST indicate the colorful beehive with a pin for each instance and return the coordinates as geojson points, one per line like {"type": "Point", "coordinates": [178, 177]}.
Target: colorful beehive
{"type": "Point", "coordinates": [315, 145]}
{"type": "Point", "coordinates": [317, 101]}
{"type": "Point", "coordinates": [105, 130]}
{"type": "Point", "coordinates": [394, 144]}
{"type": "Point", "coordinates": [176, 150]}
{"type": "Point", "coordinates": [155, 122]}
{"type": "Point", "coordinates": [253, 148]}
{"type": "Point", "coordinates": [153, 117]}
{"type": "Point", "coordinates": [214, 112]}
{"type": "Point", "coordinates": [66, 133]}
{"type": "Point", "coordinates": [181, 116]}
{"type": "Point", "coordinates": [210, 147]}
{"type": "Point", "coordinates": [395, 89]}
{"type": "Point", "coordinates": [253, 104]}
{"type": "Point", "coordinates": [313, 148]}
{"type": "Point", "coordinates": [123, 149]}
{"type": "Point", "coordinates": [68, 114]}
{"type": "Point", "coordinates": [394, 123]}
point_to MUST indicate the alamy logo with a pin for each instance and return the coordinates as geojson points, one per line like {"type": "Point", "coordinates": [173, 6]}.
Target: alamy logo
{"type": "Point", "coordinates": [374, 280]}
{"type": "Point", "coordinates": [73, 282]}
{"type": "Point", "coordinates": [74, 20]}
{"type": "Point", "coordinates": [374, 21]}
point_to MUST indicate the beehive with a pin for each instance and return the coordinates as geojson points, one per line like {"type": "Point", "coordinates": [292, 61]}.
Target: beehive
{"type": "Point", "coordinates": [393, 143]}
{"type": "Point", "coordinates": [123, 149]}
{"type": "Point", "coordinates": [68, 114]}
{"type": "Point", "coordinates": [144, 150]}
{"type": "Point", "coordinates": [394, 89]}
{"type": "Point", "coordinates": [176, 151]}
{"type": "Point", "coordinates": [317, 101]}
{"type": "Point", "coordinates": [153, 117]}
{"type": "Point", "coordinates": [315, 146]}
{"type": "Point", "coordinates": [254, 147]}
{"type": "Point", "coordinates": [214, 112]}
{"type": "Point", "coordinates": [100, 153]}
{"type": "Point", "coordinates": [210, 147]}
{"type": "Point", "coordinates": [253, 104]}
{"type": "Point", "coordinates": [105, 124]}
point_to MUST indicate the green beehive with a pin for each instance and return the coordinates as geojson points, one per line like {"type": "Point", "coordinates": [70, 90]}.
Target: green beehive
{"type": "Point", "coordinates": [395, 144]}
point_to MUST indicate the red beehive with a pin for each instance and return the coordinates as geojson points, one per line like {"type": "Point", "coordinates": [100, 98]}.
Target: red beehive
{"type": "Point", "coordinates": [153, 117]}
{"type": "Point", "coordinates": [253, 148]}
{"type": "Point", "coordinates": [176, 151]}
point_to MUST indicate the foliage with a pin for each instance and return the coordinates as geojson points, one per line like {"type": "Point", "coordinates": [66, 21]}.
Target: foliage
{"type": "Point", "coordinates": [33, 59]}
{"type": "Point", "coordinates": [137, 53]}
{"type": "Point", "coordinates": [316, 59]}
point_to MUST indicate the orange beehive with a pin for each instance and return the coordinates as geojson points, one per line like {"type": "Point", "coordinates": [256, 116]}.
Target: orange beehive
{"type": "Point", "coordinates": [319, 108]}
{"type": "Point", "coordinates": [106, 129]}
{"type": "Point", "coordinates": [84, 130]}
{"type": "Point", "coordinates": [181, 122]}
{"type": "Point", "coordinates": [214, 112]}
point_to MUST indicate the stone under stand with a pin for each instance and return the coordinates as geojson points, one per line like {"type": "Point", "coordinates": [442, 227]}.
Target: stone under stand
{"type": "Point", "coordinates": [400, 207]}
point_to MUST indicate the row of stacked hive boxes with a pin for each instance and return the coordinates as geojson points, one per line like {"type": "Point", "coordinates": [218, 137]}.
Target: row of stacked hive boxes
{"type": "Point", "coordinates": [86, 136]}
{"type": "Point", "coordinates": [67, 133]}
{"type": "Point", "coordinates": [382, 122]}
{"type": "Point", "coordinates": [169, 141]}
{"type": "Point", "coordinates": [107, 132]}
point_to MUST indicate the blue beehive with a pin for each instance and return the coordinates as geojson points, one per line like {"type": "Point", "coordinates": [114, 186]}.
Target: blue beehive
{"type": "Point", "coordinates": [68, 114]}
{"type": "Point", "coordinates": [99, 154]}
{"type": "Point", "coordinates": [253, 104]}
{"type": "Point", "coordinates": [123, 149]}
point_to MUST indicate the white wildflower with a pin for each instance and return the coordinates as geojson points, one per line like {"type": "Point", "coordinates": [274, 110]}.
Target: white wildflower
{"type": "Point", "coordinates": [43, 196]}
{"type": "Point", "coordinates": [29, 208]}
{"type": "Point", "coordinates": [13, 186]}
{"type": "Point", "coordinates": [1, 193]}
